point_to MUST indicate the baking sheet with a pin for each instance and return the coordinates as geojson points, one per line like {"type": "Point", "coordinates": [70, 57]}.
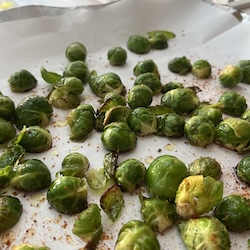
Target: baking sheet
{"type": "Point", "coordinates": [202, 32]}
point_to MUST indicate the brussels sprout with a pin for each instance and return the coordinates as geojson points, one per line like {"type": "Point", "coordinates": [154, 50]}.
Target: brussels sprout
{"type": "Point", "coordinates": [138, 44]}
{"type": "Point", "coordinates": [230, 76]}
{"type": "Point", "coordinates": [164, 175]}
{"type": "Point", "coordinates": [205, 166]}
{"type": "Point", "coordinates": [180, 65]}
{"type": "Point", "coordinates": [88, 226]}
{"type": "Point", "coordinates": [181, 100]}
{"type": "Point", "coordinates": [110, 164]}
{"type": "Point", "coordinates": [197, 195]}
{"type": "Point", "coordinates": [10, 212]}
{"type": "Point", "coordinates": [204, 233]}
{"type": "Point", "coordinates": [117, 56]}
{"type": "Point", "coordinates": [106, 83]}
{"type": "Point", "coordinates": [246, 115]}
{"type": "Point", "coordinates": [77, 69]}
{"type": "Point", "coordinates": [30, 175]}
{"type": "Point", "coordinates": [201, 69]}
{"type": "Point", "coordinates": [234, 134]}
{"type": "Point", "coordinates": [140, 96]}
{"type": "Point", "coordinates": [146, 66]}
{"type": "Point", "coordinates": [116, 99]}
{"type": "Point", "coordinates": [112, 202]}
{"type": "Point", "coordinates": [33, 110]}
{"type": "Point", "coordinates": [76, 51]}
{"type": "Point", "coordinates": [199, 130]}
{"type": "Point", "coordinates": [71, 85]}
{"type": "Point", "coordinates": [243, 169]}
{"type": "Point", "coordinates": [11, 156]}
{"type": "Point", "coordinates": [7, 131]}
{"type": "Point", "coordinates": [142, 121]}
{"type": "Point", "coordinates": [130, 174]}
{"type": "Point", "coordinates": [159, 38]}
{"type": "Point", "coordinates": [7, 107]}
{"type": "Point", "coordinates": [74, 164]}
{"type": "Point", "coordinates": [234, 212]}
{"type": "Point", "coordinates": [233, 103]}
{"type": "Point", "coordinates": [68, 194]}
{"type": "Point", "coordinates": [136, 234]}
{"type": "Point", "coordinates": [160, 110]}
{"type": "Point", "coordinates": [30, 247]}
{"type": "Point", "coordinates": [22, 81]}
{"type": "Point", "coordinates": [171, 85]}
{"type": "Point", "coordinates": [159, 214]}
{"type": "Point", "coordinates": [171, 125]}
{"type": "Point", "coordinates": [34, 139]}
{"type": "Point", "coordinates": [245, 69]}
{"type": "Point", "coordinates": [118, 137]}
{"type": "Point", "coordinates": [151, 80]}
{"type": "Point", "coordinates": [5, 176]}
{"type": "Point", "coordinates": [96, 178]}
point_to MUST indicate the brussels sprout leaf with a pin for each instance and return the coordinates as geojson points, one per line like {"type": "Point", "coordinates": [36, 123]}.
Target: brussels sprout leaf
{"type": "Point", "coordinates": [50, 77]}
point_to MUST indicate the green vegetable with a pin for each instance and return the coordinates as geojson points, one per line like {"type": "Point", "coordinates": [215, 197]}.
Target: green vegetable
{"type": "Point", "coordinates": [204, 233]}
{"type": "Point", "coordinates": [199, 130]}
{"type": "Point", "coordinates": [146, 66]}
{"type": "Point", "coordinates": [96, 178]}
{"type": "Point", "coordinates": [245, 69]}
{"type": "Point", "coordinates": [30, 175]}
{"type": "Point", "coordinates": [205, 166]}
{"type": "Point", "coordinates": [76, 51]}
{"type": "Point", "coordinates": [246, 115]}
{"type": "Point", "coordinates": [159, 38]}
{"type": "Point", "coordinates": [197, 195]}
{"type": "Point", "coordinates": [201, 69]}
{"type": "Point", "coordinates": [243, 169]}
{"type": "Point", "coordinates": [7, 131]}
{"type": "Point", "coordinates": [230, 76]}
{"type": "Point", "coordinates": [138, 44]}
{"type": "Point", "coordinates": [163, 176]}
{"type": "Point", "coordinates": [130, 174]}
{"type": "Point", "coordinates": [110, 164]}
{"type": "Point", "coordinates": [136, 234]}
{"type": "Point", "coordinates": [180, 65]}
{"type": "Point", "coordinates": [117, 56]}
{"type": "Point", "coordinates": [113, 99]}
{"type": "Point", "coordinates": [7, 107]}
{"type": "Point", "coordinates": [22, 81]}
{"type": "Point", "coordinates": [234, 212]}
{"type": "Point", "coordinates": [118, 137]}
{"type": "Point", "coordinates": [10, 211]}
{"type": "Point", "coordinates": [50, 77]}
{"type": "Point", "coordinates": [71, 85]}
{"type": "Point", "coordinates": [5, 176]}
{"type": "Point", "coordinates": [68, 194]}
{"type": "Point", "coordinates": [30, 247]}
{"type": "Point", "coordinates": [33, 110]}
{"type": "Point", "coordinates": [171, 85]}
{"type": "Point", "coordinates": [12, 155]}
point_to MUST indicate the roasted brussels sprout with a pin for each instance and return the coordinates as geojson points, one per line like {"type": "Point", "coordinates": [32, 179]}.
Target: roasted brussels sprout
{"type": "Point", "coordinates": [140, 96]}
{"type": "Point", "coordinates": [151, 80]}
{"type": "Point", "coordinates": [7, 131]}
{"type": "Point", "coordinates": [34, 139]}
{"type": "Point", "coordinates": [118, 137]}
{"type": "Point", "coordinates": [201, 69]}
{"type": "Point", "coordinates": [88, 226]}
{"type": "Point", "coordinates": [130, 174]}
{"type": "Point", "coordinates": [197, 195]}
{"type": "Point", "coordinates": [77, 69]}
{"type": "Point", "coordinates": [112, 202]}
{"type": "Point", "coordinates": [234, 212]}
{"type": "Point", "coordinates": [204, 233]}
{"type": "Point", "coordinates": [159, 38]}
{"type": "Point", "coordinates": [110, 164]}
{"type": "Point", "coordinates": [96, 178]}
{"type": "Point", "coordinates": [233, 103]}
{"type": "Point", "coordinates": [230, 76]}
{"type": "Point", "coordinates": [234, 134]}
{"type": "Point", "coordinates": [245, 69]}
{"type": "Point", "coordinates": [142, 121]}
{"type": "Point", "coordinates": [115, 99]}
{"type": "Point", "coordinates": [71, 85]}
{"type": "Point", "coordinates": [22, 81]}
{"type": "Point", "coordinates": [136, 234]}
{"type": "Point", "coordinates": [7, 107]}
{"type": "Point", "coordinates": [30, 175]}
{"type": "Point", "coordinates": [171, 85]}
{"type": "Point", "coordinates": [243, 169]}
{"type": "Point", "coordinates": [33, 110]}
{"type": "Point", "coordinates": [68, 194]}
{"type": "Point", "coordinates": [10, 212]}
{"type": "Point", "coordinates": [180, 65]}
{"type": "Point", "coordinates": [138, 44]}
{"type": "Point", "coordinates": [199, 130]}
{"type": "Point", "coordinates": [6, 174]}
{"type": "Point", "coordinates": [76, 51]}
{"type": "Point", "coordinates": [106, 83]}
{"type": "Point", "coordinates": [205, 166]}
{"type": "Point", "coordinates": [30, 247]}
{"type": "Point", "coordinates": [181, 100]}
{"type": "Point", "coordinates": [159, 214]}
{"type": "Point", "coordinates": [117, 56]}
{"type": "Point", "coordinates": [163, 176]}
{"type": "Point", "coordinates": [246, 115]}
{"type": "Point", "coordinates": [81, 121]}
{"type": "Point", "coordinates": [146, 66]}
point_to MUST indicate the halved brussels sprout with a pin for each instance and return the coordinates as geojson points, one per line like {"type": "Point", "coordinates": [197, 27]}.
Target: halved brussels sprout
{"type": "Point", "coordinates": [7, 131]}
{"type": "Point", "coordinates": [171, 85]}
{"type": "Point", "coordinates": [76, 51]}
{"type": "Point", "coordinates": [246, 115]}
{"type": "Point", "coordinates": [180, 65]}
{"type": "Point", "coordinates": [7, 107]}
{"type": "Point", "coordinates": [159, 38]}
{"type": "Point", "coordinates": [117, 56]}
{"type": "Point", "coordinates": [245, 69]}
{"type": "Point", "coordinates": [243, 169]}
{"type": "Point", "coordinates": [110, 164]}
{"type": "Point", "coordinates": [71, 85]}
{"type": "Point", "coordinates": [201, 69]}
{"type": "Point", "coordinates": [230, 76]}
{"type": "Point", "coordinates": [6, 174]}
{"type": "Point", "coordinates": [138, 44]}
{"type": "Point", "coordinates": [96, 178]}
{"type": "Point", "coordinates": [146, 66]}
